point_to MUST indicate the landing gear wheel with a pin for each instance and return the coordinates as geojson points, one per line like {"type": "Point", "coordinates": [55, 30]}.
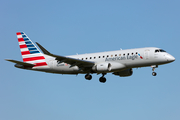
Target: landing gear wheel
{"type": "Point", "coordinates": [102, 79]}
{"type": "Point", "coordinates": [154, 73]}
{"type": "Point", "coordinates": [88, 77]}
{"type": "Point", "coordinates": [153, 69]}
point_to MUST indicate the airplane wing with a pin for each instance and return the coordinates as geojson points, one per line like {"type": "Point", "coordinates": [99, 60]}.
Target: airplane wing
{"type": "Point", "coordinates": [71, 61]}
{"type": "Point", "coordinates": [21, 63]}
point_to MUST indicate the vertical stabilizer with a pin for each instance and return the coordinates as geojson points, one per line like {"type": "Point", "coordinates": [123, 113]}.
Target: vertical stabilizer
{"type": "Point", "coordinates": [30, 53]}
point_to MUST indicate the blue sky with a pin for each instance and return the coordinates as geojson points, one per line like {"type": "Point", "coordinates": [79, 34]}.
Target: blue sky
{"type": "Point", "coordinates": [70, 27]}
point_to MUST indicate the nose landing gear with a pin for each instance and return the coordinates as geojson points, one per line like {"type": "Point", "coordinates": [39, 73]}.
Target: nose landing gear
{"type": "Point", "coordinates": [154, 73]}
{"type": "Point", "coordinates": [153, 69]}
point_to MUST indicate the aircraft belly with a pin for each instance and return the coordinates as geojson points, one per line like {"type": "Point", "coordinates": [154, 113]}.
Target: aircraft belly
{"type": "Point", "coordinates": [143, 63]}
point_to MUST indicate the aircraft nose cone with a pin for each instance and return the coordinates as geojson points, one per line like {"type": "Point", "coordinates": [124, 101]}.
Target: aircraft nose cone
{"type": "Point", "coordinates": [170, 58]}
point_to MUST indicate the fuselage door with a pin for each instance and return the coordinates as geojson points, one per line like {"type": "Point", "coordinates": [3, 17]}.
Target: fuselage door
{"type": "Point", "coordinates": [146, 54]}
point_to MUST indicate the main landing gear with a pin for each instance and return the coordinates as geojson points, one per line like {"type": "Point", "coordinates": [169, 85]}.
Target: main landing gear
{"type": "Point", "coordinates": [101, 79]}
{"type": "Point", "coordinates": [88, 77]}
{"type": "Point", "coordinates": [153, 69]}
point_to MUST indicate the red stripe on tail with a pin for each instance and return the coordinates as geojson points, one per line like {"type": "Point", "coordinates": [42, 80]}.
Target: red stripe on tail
{"type": "Point", "coordinates": [18, 33]}
{"type": "Point", "coordinates": [33, 58]}
{"type": "Point", "coordinates": [25, 52]}
{"type": "Point", "coordinates": [20, 39]}
{"type": "Point", "coordinates": [23, 46]}
{"type": "Point", "coordinates": [40, 64]}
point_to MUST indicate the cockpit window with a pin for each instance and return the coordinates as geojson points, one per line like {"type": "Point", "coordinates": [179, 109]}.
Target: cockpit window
{"type": "Point", "coordinates": [160, 50]}
{"type": "Point", "coordinates": [156, 51]}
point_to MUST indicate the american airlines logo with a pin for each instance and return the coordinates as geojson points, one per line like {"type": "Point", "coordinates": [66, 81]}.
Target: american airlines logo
{"type": "Point", "coordinates": [128, 57]}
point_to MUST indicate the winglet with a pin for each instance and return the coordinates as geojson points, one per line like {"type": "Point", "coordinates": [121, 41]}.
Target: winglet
{"type": "Point", "coordinates": [43, 49]}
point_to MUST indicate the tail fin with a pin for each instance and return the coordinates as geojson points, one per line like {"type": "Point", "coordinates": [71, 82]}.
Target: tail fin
{"type": "Point", "coordinates": [30, 53]}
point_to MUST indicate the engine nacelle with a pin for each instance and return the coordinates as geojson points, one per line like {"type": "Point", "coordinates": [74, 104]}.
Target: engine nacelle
{"type": "Point", "coordinates": [124, 73]}
{"type": "Point", "coordinates": [102, 67]}
{"type": "Point", "coordinates": [107, 67]}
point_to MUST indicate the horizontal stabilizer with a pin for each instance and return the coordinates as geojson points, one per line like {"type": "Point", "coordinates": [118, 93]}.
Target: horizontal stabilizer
{"type": "Point", "coordinates": [21, 63]}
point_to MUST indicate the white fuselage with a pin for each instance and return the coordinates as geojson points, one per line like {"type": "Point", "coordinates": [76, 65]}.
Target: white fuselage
{"type": "Point", "coordinates": [120, 60]}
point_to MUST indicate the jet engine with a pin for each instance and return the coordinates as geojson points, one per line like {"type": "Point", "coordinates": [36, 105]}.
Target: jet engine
{"type": "Point", "coordinates": [124, 73]}
{"type": "Point", "coordinates": [106, 67]}
{"type": "Point", "coordinates": [102, 67]}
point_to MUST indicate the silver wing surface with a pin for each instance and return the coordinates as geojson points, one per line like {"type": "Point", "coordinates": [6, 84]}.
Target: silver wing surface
{"type": "Point", "coordinates": [72, 61]}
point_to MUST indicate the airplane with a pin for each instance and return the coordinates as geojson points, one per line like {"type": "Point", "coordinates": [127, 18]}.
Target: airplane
{"type": "Point", "coordinates": [120, 62]}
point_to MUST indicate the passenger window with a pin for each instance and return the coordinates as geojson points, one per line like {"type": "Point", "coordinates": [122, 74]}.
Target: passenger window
{"type": "Point", "coordinates": [107, 55]}
{"type": "Point", "coordinates": [99, 56]}
{"type": "Point", "coordinates": [128, 54]}
{"type": "Point", "coordinates": [119, 54]}
{"type": "Point", "coordinates": [111, 55]}
{"type": "Point", "coordinates": [94, 57]}
{"type": "Point", "coordinates": [115, 54]}
{"type": "Point", "coordinates": [103, 56]}
{"type": "Point", "coordinates": [124, 54]}
{"type": "Point", "coordinates": [132, 53]}
{"type": "Point", "coordinates": [90, 57]}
